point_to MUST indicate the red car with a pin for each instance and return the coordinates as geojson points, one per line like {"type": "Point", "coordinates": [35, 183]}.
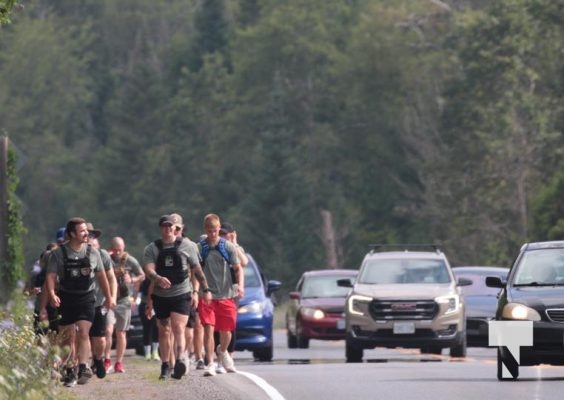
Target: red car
{"type": "Point", "coordinates": [316, 309]}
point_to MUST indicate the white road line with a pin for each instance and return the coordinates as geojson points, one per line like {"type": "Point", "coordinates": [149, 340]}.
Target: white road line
{"type": "Point", "coordinates": [264, 385]}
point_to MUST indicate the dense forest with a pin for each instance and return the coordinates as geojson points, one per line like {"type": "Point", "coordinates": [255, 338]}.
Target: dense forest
{"type": "Point", "coordinates": [316, 127]}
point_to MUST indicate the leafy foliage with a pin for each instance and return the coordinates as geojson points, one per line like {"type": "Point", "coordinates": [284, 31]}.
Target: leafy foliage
{"type": "Point", "coordinates": [26, 360]}
{"type": "Point", "coordinates": [404, 121]}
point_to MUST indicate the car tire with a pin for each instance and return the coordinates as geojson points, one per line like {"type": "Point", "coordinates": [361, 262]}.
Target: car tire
{"type": "Point", "coordinates": [292, 340]}
{"type": "Point", "coordinates": [303, 342]}
{"type": "Point", "coordinates": [264, 354]}
{"type": "Point", "coordinates": [460, 349]}
{"type": "Point", "coordinates": [438, 350]}
{"type": "Point", "coordinates": [509, 363]}
{"type": "Point", "coordinates": [353, 353]}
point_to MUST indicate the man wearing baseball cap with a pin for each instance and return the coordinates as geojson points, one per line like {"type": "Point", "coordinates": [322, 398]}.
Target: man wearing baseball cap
{"type": "Point", "coordinates": [172, 263]}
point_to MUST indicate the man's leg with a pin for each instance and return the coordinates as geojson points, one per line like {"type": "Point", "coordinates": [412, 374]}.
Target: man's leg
{"type": "Point", "coordinates": [110, 322]}
{"type": "Point", "coordinates": [83, 351]}
{"type": "Point", "coordinates": [224, 340]}
{"type": "Point", "coordinates": [198, 343]}
{"type": "Point", "coordinates": [178, 325]}
{"type": "Point", "coordinates": [121, 343]}
{"type": "Point", "coordinates": [164, 346]}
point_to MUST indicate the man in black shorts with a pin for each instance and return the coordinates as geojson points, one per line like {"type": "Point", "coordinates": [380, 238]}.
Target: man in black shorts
{"type": "Point", "coordinates": [98, 328]}
{"type": "Point", "coordinates": [76, 264]}
{"type": "Point", "coordinates": [172, 263]}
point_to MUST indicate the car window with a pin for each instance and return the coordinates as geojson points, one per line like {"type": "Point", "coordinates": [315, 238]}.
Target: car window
{"type": "Point", "coordinates": [478, 286]}
{"type": "Point", "coordinates": [544, 266]}
{"type": "Point", "coordinates": [252, 278]}
{"type": "Point", "coordinates": [392, 271]}
{"type": "Point", "coordinates": [323, 286]}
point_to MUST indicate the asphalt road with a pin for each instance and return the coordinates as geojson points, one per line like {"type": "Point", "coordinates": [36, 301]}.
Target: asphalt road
{"type": "Point", "coordinates": [320, 372]}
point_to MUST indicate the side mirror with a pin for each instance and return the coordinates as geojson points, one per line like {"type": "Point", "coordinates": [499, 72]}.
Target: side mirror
{"type": "Point", "coordinates": [495, 282]}
{"type": "Point", "coordinates": [294, 295]}
{"type": "Point", "coordinates": [272, 287]}
{"type": "Point", "coordinates": [464, 282]}
{"type": "Point", "coordinates": [345, 282]}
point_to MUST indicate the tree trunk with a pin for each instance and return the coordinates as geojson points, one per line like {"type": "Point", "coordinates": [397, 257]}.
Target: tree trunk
{"type": "Point", "coordinates": [328, 239]}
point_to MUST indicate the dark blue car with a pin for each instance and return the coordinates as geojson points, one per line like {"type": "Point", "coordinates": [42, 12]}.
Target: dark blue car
{"type": "Point", "coordinates": [256, 313]}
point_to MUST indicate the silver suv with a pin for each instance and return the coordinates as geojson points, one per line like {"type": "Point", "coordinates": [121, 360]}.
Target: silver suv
{"type": "Point", "coordinates": [404, 298]}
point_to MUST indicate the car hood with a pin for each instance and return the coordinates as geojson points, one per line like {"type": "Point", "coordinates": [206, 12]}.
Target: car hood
{"type": "Point", "coordinates": [405, 291]}
{"type": "Point", "coordinates": [480, 306]}
{"type": "Point", "coordinates": [252, 294]}
{"type": "Point", "coordinates": [538, 297]}
{"type": "Point", "coordinates": [333, 304]}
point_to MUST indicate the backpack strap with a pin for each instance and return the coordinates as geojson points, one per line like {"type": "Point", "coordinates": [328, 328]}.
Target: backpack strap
{"type": "Point", "coordinates": [220, 247]}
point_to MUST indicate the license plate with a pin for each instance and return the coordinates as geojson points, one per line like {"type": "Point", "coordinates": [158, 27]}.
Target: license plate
{"type": "Point", "coordinates": [404, 328]}
{"type": "Point", "coordinates": [341, 324]}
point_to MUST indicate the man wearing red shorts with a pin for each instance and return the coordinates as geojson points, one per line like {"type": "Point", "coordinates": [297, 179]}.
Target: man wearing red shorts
{"type": "Point", "coordinates": [219, 257]}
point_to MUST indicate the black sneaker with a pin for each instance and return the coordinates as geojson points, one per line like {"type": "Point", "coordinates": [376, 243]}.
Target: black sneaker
{"type": "Point", "coordinates": [179, 369]}
{"type": "Point", "coordinates": [70, 378]}
{"type": "Point", "coordinates": [165, 372]}
{"type": "Point", "coordinates": [84, 374]}
{"type": "Point", "coordinates": [99, 368]}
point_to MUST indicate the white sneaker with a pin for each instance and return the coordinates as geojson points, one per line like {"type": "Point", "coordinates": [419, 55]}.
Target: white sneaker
{"type": "Point", "coordinates": [219, 369]}
{"type": "Point", "coordinates": [209, 370]}
{"type": "Point", "coordinates": [226, 360]}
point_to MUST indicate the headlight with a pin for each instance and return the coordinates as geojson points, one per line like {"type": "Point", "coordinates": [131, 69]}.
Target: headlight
{"type": "Point", "coordinates": [452, 302]}
{"type": "Point", "coordinates": [357, 303]}
{"type": "Point", "coordinates": [314, 313]}
{"type": "Point", "coordinates": [254, 307]}
{"type": "Point", "coordinates": [520, 312]}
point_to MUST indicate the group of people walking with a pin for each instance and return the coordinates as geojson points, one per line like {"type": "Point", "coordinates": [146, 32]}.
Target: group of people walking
{"type": "Point", "coordinates": [190, 288]}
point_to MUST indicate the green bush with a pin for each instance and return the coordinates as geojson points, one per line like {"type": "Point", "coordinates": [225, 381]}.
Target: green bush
{"type": "Point", "coordinates": [26, 359]}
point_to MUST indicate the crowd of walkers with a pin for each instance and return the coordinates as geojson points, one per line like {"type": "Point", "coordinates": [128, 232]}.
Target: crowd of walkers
{"type": "Point", "coordinates": [189, 293]}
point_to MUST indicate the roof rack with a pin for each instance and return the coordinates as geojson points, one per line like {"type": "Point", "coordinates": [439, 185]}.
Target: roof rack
{"type": "Point", "coordinates": [404, 246]}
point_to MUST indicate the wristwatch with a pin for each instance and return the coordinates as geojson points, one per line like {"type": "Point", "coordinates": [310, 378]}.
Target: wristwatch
{"type": "Point", "coordinates": [206, 290]}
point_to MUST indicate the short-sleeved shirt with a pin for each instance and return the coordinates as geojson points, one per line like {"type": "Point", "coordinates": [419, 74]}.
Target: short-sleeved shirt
{"type": "Point", "coordinates": [107, 263]}
{"type": "Point", "coordinates": [56, 264]}
{"type": "Point", "coordinates": [133, 268]}
{"type": "Point", "coordinates": [190, 259]}
{"type": "Point", "coordinates": [218, 271]}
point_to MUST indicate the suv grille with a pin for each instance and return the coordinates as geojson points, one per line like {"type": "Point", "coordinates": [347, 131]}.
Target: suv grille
{"type": "Point", "coordinates": [555, 314]}
{"type": "Point", "coordinates": [403, 309]}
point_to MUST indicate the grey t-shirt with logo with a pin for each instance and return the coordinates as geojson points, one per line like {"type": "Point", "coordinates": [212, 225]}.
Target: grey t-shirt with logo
{"type": "Point", "coordinates": [190, 259]}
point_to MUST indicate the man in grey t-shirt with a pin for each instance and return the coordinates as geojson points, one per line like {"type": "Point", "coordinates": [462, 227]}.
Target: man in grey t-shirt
{"type": "Point", "coordinates": [75, 265]}
{"type": "Point", "coordinates": [173, 265]}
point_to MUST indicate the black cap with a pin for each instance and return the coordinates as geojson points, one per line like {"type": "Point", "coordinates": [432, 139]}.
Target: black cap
{"type": "Point", "coordinates": [167, 220]}
{"type": "Point", "coordinates": [226, 227]}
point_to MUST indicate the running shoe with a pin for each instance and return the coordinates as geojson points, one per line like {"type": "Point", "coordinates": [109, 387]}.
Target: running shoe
{"type": "Point", "coordinates": [226, 360]}
{"type": "Point", "coordinates": [108, 365]}
{"type": "Point", "coordinates": [84, 374]}
{"type": "Point", "coordinates": [200, 364]}
{"type": "Point", "coordinates": [219, 369]}
{"type": "Point", "coordinates": [209, 370]}
{"type": "Point", "coordinates": [99, 368]}
{"type": "Point", "coordinates": [179, 369]}
{"type": "Point", "coordinates": [165, 372]}
{"type": "Point", "coordinates": [118, 368]}
{"type": "Point", "coordinates": [70, 378]}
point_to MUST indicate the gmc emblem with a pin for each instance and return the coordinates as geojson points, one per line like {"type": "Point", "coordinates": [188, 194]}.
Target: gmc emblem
{"type": "Point", "coordinates": [404, 306]}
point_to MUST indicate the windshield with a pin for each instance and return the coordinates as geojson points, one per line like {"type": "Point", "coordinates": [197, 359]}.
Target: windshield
{"type": "Point", "coordinates": [324, 286]}
{"type": "Point", "coordinates": [540, 267]}
{"type": "Point", "coordinates": [392, 271]}
{"type": "Point", "coordinates": [252, 278]}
